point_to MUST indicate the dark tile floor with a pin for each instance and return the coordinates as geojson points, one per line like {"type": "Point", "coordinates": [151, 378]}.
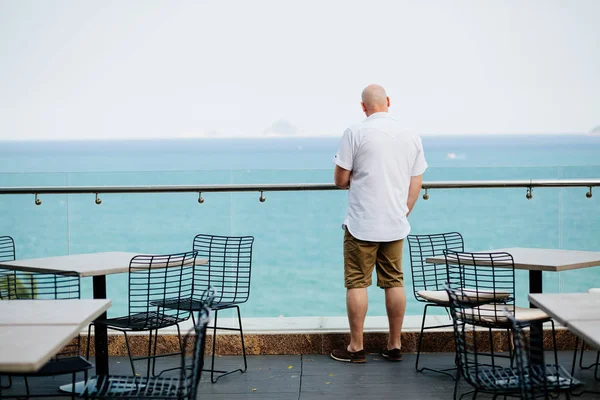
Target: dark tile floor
{"type": "Point", "coordinates": [308, 377]}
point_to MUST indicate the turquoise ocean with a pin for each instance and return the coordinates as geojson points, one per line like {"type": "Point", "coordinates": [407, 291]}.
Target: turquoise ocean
{"type": "Point", "coordinates": [297, 266]}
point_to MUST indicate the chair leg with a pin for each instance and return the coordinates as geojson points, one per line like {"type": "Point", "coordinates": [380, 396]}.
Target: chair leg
{"type": "Point", "coordinates": [212, 365]}
{"type": "Point", "coordinates": [456, 381]}
{"type": "Point", "coordinates": [420, 339]}
{"type": "Point", "coordinates": [492, 348]}
{"type": "Point", "coordinates": [575, 356]}
{"type": "Point", "coordinates": [242, 339]}
{"type": "Point", "coordinates": [214, 378]}
{"type": "Point", "coordinates": [27, 387]}
{"type": "Point", "coordinates": [554, 343]}
{"type": "Point", "coordinates": [129, 353]}
{"type": "Point", "coordinates": [511, 345]}
{"type": "Point", "coordinates": [154, 353]}
{"type": "Point", "coordinates": [87, 353]}
{"type": "Point", "coordinates": [149, 353]}
{"type": "Point", "coordinates": [419, 347]}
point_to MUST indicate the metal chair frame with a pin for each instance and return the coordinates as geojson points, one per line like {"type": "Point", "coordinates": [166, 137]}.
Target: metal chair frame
{"type": "Point", "coordinates": [185, 386]}
{"type": "Point", "coordinates": [154, 280]}
{"type": "Point", "coordinates": [486, 283]}
{"type": "Point", "coordinates": [427, 276]}
{"type": "Point", "coordinates": [537, 381]}
{"type": "Point", "coordinates": [228, 271]}
{"type": "Point", "coordinates": [51, 286]}
{"type": "Point", "coordinates": [594, 364]}
{"type": "Point", "coordinates": [7, 253]}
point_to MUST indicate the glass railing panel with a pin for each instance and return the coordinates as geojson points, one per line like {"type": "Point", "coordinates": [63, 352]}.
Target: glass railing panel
{"type": "Point", "coordinates": [298, 261]}
{"type": "Point", "coordinates": [38, 231]}
{"type": "Point", "coordinates": [579, 220]}
{"type": "Point", "coordinates": [491, 219]}
{"type": "Point", "coordinates": [144, 223]}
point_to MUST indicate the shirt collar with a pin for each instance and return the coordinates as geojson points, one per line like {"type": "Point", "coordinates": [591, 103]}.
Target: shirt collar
{"type": "Point", "coordinates": [380, 115]}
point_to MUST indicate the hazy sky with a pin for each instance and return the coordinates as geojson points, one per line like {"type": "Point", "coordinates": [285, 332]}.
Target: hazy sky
{"type": "Point", "coordinates": [128, 69]}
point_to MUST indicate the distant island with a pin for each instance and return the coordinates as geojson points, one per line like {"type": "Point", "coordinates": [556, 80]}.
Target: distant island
{"type": "Point", "coordinates": [595, 131]}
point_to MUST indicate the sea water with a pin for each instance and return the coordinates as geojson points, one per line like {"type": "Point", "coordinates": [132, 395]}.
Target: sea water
{"type": "Point", "coordinates": [297, 266]}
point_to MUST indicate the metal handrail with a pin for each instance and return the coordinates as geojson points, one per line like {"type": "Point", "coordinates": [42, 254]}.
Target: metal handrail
{"type": "Point", "coordinates": [287, 187]}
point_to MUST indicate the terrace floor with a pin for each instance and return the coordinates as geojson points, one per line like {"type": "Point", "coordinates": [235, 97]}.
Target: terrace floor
{"type": "Point", "coordinates": [308, 377]}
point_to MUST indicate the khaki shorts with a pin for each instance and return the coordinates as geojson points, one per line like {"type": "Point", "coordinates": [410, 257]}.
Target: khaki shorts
{"type": "Point", "coordinates": [360, 257]}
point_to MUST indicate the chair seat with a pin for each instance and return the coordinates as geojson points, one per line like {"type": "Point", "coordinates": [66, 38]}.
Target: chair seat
{"type": "Point", "coordinates": [465, 295]}
{"type": "Point", "coordinates": [67, 365]}
{"type": "Point", "coordinates": [142, 321]}
{"type": "Point", "coordinates": [507, 379]}
{"type": "Point", "coordinates": [115, 386]}
{"type": "Point", "coordinates": [494, 314]}
{"type": "Point", "coordinates": [194, 305]}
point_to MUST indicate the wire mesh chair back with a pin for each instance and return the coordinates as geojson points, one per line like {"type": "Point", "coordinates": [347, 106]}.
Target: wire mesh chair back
{"type": "Point", "coordinates": [471, 360]}
{"type": "Point", "coordinates": [155, 279]}
{"type": "Point", "coordinates": [7, 248]}
{"type": "Point", "coordinates": [428, 276]}
{"type": "Point", "coordinates": [191, 377]}
{"type": "Point", "coordinates": [47, 286]}
{"type": "Point", "coordinates": [485, 282]}
{"type": "Point", "coordinates": [229, 267]}
{"type": "Point", "coordinates": [7, 253]}
{"type": "Point", "coordinates": [532, 386]}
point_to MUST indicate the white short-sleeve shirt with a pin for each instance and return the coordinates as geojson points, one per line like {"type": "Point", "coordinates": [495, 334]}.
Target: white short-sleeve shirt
{"type": "Point", "coordinates": [382, 157]}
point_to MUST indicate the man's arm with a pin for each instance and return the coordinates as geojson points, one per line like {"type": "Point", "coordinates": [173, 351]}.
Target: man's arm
{"type": "Point", "coordinates": [341, 177]}
{"type": "Point", "coordinates": [413, 191]}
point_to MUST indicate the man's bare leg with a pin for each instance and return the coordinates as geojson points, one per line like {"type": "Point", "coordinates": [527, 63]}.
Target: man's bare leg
{"type": "Point", "coordinates": [357, 303]}
{"type": "Point", "coordinates": [395, 304]}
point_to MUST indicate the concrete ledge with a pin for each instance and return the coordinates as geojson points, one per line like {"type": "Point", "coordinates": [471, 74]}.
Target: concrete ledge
{"type": "Point", "coordinates": [316, 335]}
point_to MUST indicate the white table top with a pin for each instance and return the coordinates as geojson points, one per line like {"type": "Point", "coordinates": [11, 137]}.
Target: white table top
{"type": "Point", "coordinates": [579, 312]}
{"type": "Point", "coordinates": [26, 347]}
{"type": "Point", "coordinates": [588, 330]}
{"type": "Point", "coordinates": [93, 264]}
{"type": "Point", "coordinates": [543, 259]}
{"type": "Point", "coordinates": [51, 312]}
{"type": "Point", "coordinates": [568, 307]}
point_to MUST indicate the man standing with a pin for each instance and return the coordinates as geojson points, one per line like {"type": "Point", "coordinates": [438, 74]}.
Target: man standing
{"type": "Point", "coordinates": [382, 166]}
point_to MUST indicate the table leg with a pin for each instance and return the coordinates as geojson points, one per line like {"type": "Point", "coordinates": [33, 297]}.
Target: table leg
{"type": "Point", "coordinates": [536, 328]}
{"type": "Point", "coordinates": [100, 331]}
{"type": "Point", "coordinates": [100, 340]}
{"type": "Point", "coordinates": [535, 284]}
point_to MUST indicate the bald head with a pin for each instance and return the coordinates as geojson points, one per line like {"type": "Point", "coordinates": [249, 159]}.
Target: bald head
{"type": "Point", "coordinates": [374, 99]}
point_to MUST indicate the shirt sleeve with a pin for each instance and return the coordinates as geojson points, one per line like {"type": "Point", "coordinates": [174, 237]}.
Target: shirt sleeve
{"type": "Point", "coordinates": [420, 164]}
{"type": "Point", "coordinates": [345, 154]}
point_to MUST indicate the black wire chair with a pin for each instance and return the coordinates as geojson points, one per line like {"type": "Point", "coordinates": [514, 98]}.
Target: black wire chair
{"type": "Point", "coordinates": [537, 381]}
{"type": "Point", "coordinates": [429, 279]}
{"type": "Point", "coordinates": [46, 286]}
{"type": "Point", "coordinates": [487, 375]}
{"type": "Point", "coordinates": [182, 386]}
{"type": "Point", "coordinates": [478, 368]}
{"type": "Point", "coordinates": [153, 280]}
{"type": "Point", "coordinates": [7, 253]}
{"type": "Point", "coordinates": [486, 282]}
{"type": "Point", "coordinates": [228, 271]}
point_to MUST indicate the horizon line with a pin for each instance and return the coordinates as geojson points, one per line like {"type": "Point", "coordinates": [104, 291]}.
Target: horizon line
{"type": "Point", "coordinates": [78, 139]}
